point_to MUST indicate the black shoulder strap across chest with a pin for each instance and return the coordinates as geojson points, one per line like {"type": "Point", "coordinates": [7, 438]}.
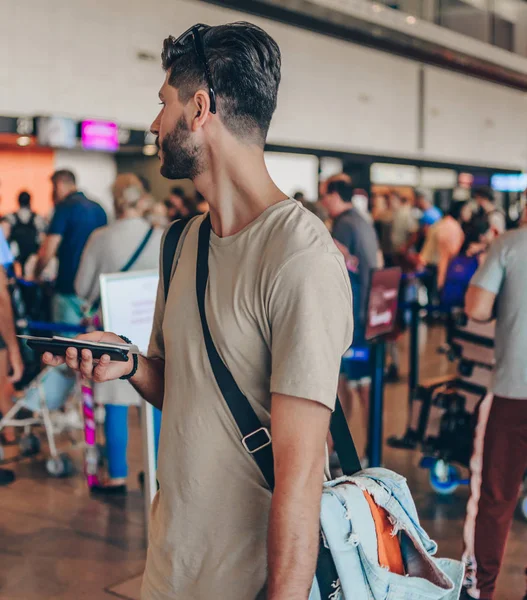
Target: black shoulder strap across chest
{"type": "Point", "coordinates": [169, 250]}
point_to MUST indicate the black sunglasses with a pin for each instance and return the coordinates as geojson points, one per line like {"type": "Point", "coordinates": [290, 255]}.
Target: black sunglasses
{"type": "Point", "coordinates": [194, 32]}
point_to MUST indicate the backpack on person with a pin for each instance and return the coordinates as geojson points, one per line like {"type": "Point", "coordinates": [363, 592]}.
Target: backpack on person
{"type": "Point", "coordinates": [459, 273]}
{"type": "Point", "coordinates": [371, 545]}
{"type": "Point", "coordinates": [26, 237]}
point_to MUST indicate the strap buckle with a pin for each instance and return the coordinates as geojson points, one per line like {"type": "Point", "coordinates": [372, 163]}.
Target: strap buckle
{"type": "Point", "coordinates": [265, 442]}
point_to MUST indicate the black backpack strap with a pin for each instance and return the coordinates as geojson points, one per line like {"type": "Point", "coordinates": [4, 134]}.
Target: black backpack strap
{"type": "Point", "coordinates": [133, 259]}
{"type": "Point", "coordinates": [170, 244]}
{"type": "Point", "coordinates": [255, 438]}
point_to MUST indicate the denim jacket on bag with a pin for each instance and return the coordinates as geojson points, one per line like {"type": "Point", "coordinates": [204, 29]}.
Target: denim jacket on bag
{"type": "Point", "coordinates": [349, 532]}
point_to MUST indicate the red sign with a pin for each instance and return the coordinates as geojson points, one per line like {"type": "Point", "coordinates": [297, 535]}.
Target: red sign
{"type": "Point", "coordinates": [382, 303]}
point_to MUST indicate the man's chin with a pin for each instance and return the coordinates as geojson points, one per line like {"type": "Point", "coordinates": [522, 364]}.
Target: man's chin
{"type": "Point", "coordinates": [167, 173]}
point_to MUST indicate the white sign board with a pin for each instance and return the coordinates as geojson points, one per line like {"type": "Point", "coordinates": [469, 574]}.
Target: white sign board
{"type": "Point", "coordinates": [128, 301]}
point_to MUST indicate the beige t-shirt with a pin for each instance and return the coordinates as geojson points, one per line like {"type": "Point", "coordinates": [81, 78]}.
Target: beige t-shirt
{"type": "Point", "coordinates": [279, 309]}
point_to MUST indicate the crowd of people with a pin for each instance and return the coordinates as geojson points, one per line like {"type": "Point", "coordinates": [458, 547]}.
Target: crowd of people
{"type": "Point", "coordinates": [392, 230]}
{"type": "Point", "coordinates": [72, 248]}
{"type": "Point", "coordinates": [467, 261]}
{"type": "Point", "coordinates": [268, 301]}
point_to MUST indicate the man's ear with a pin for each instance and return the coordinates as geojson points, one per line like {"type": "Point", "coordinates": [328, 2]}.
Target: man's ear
{"type": "Point", "coordinates": [201, 102]}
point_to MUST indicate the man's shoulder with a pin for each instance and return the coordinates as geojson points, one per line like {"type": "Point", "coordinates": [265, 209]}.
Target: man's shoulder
{"type": "Point", "coordinates": [292, 230]}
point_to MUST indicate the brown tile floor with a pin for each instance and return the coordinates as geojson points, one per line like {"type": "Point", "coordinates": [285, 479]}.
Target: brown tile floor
{"type": "Point", "coordinates": [58, 543]}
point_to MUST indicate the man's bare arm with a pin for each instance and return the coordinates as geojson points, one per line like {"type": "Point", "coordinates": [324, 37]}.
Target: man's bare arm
{"type": "Point", "coordinates": [479, 303]}
{"type": "Point", "coordinates": [299, 432]}
{"type": "Point", "coordinates": [149, 379]}
{"type": "Point", "coordinates": [48, 250]}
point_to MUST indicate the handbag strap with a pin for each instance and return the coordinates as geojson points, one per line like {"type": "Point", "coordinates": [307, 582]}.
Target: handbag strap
{"type": "Point", "coordinates": [138, 252]}
{"type": "Point", "coordinates": [256, 438]}
{"type": "Point", "coordinates": [169, 251]}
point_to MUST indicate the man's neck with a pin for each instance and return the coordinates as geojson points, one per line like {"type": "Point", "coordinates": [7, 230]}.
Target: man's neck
{"type": "Point", "coordinates": [237, 187]}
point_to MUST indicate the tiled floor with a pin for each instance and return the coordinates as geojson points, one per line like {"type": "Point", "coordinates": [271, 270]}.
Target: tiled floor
{"type": "Point", "coordinates": [58, 543]}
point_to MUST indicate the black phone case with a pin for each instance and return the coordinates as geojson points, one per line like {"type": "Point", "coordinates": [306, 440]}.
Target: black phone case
{"type": "Point", "coordinates": [58, 348]}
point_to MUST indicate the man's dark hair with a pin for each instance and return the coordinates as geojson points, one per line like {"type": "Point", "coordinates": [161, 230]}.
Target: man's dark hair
{"type": "Point", "coordinates": [343, 188]}
{"type": "Point", "coordinates": [24, 199]}
{"type": "Point", "coordinates": [483, 192]}
{"type": "Point", "coordinates": [244, 63]}
{"type": "Point", "coordinates": [178, 191]}
{"type": "Point", "coordinates": [65, 176]}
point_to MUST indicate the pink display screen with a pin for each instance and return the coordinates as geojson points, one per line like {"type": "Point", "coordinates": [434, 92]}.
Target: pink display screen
{"type": "Point", "coordinates": [100, 135]}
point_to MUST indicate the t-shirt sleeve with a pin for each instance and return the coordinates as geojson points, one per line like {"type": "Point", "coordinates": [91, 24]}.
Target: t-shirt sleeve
{"type": "Point", "coordinates": [491, 273]}
{"type": "Point", "coordinates": [311, 317]}
{"type": "Point", "coordinates": [59, 222]}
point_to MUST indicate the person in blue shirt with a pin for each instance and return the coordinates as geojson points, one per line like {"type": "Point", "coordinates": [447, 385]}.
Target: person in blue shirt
{"type": "Point", "coordinates": [10, 357]}
{"type": "Point", "coordinates": [430, 213]}
{"type": "Point", "coordinates": [74, 220]}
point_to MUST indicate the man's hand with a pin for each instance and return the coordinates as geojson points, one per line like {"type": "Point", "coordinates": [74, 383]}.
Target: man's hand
{"type": "Point", "coordinates": [105, 370]}
{"type": "Point", "coordinates": [17, 365]}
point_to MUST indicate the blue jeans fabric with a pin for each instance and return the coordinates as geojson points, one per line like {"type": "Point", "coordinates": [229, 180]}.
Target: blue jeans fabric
{"type": "Point", "coordinates": [116, 434]}
{"type": "Point", "coordinates": [349, 532]}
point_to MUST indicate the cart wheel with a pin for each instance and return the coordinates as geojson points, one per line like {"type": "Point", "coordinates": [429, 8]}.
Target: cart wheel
{"type": "Point", "coordinates": [444, 478]}
{"type": "Point", "coordinates": [61, 466]}
{"type": "Point", "coordinates": [29, 445]}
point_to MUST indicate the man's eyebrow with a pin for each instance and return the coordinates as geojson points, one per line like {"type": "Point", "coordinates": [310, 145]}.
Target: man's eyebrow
{"type": "Point", "coordinates": [160, 94]}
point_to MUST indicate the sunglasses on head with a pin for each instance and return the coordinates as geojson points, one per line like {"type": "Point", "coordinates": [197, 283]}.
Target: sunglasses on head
{"type": "Point", "coordinates": [195, 33]}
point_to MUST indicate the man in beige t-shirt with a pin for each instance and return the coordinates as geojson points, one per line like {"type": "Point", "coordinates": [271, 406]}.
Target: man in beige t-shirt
{"type": "Point", "coordinates": [278, 304]}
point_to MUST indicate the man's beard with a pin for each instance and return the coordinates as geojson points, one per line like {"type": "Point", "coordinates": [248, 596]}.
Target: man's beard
{"type": "Point", "coordinates": [181, 159]}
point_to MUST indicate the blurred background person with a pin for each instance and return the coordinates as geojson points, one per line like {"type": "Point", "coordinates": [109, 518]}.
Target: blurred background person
{"type": "Point", "coordinates": [176, 204]}
{"type": "Point", "coordinates": [157, 216]}
{"type": "Point", "coordinates": [404, 230]}
{"type": "Point", "coordinates": [484, 198]}
{"type": "Point", "coordinates": [202, 206]}
{"type": "Point", "coordinates": [499, 459]}
{"type": "Point", "coordinates": [426, 244]}
{"type": "Point", "coordinates": [10, 358]}
{"type": "Point", "coordinates": [181, 206]}
{"type": "Point", "coordinates": [130, 243]}
{"type": "Point", "coordinates": [361, 203]}
{"type": "Point", "coordinates": [450, 236]}
{"type": "Point", "coordinates": [478, 237]}
{"type": "Point", "coordinates": [74, 220]}
{"type": "Point", "coordinates": [356, 238]}
{"type": "Point", "coordinates": [24, 230]}
{"type": "Point", "coordinates": [382, 217]}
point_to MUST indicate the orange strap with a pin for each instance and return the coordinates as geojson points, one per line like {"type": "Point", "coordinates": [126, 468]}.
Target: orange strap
{"type": "Point", "coordinates": [389, 549]}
